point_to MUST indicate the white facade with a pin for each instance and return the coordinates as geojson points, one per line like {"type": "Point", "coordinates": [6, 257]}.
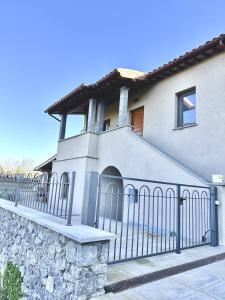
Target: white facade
{"type": "Point", "coordinates": [200, 148]}
{"type": "Point", "coordinates": [188, 155]}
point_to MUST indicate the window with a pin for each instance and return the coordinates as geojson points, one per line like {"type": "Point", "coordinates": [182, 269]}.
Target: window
{"type": "Point", "coordinates": [186, 108]}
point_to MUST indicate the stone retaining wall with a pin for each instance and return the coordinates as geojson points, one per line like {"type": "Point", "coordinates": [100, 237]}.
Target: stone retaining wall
{"type": "Point", "coordinates": [52, 265]}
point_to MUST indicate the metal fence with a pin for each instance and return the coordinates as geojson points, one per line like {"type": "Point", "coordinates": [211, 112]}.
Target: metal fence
{"type": "Point", "coordinates": [46, 193]}
{"type": "Point", "coordinates": [152, 217]}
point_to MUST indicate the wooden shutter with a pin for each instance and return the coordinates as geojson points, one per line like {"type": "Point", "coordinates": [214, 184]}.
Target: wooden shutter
{"type": "Point", "coordinates": [137, 120]}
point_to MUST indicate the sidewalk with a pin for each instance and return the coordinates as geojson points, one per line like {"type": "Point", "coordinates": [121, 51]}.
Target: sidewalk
{"type": "Point", "coordinates": [207, 282]}
{"type": "Point", "coordinates": [118, 272]}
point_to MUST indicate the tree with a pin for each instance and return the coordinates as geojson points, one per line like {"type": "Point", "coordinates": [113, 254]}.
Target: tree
{"type": "Point", "coordinates": [13, 166]}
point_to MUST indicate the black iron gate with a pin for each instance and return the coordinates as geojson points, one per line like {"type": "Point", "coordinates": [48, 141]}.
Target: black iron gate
{"type": "Point", "coordinates": [151, 217]}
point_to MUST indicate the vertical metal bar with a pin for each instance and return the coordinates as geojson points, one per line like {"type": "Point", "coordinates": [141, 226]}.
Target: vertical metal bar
{"type": "Point", "coordinates": [127, 231]}
{"type": "Point", "coordinates": [148, 232]}
{"type": "Point", "coordinates": [117, 212]}
{"type": "Point", "coordinates": [157, 221]}
{"type": "Point", "coordinates": [170, 229]}
{"type": "Point", "coordinates": [189, 222]}
{"type": "Point", "coordinates": [174, 219]}
{"type": "Point", "coordinates": [121, 229]}
{"type": "Point", "coordinates": [178, 221]}
{"type": "Point", "coordinates": [204, 213]}
{"type": "Point", "coordinates": [182, 224]}
{"type": "Point", "coordinates": [153, 221]}
{"type": "Point", "coordinates": [208, 205]}
{"type": "Point", "coordinates": [111, 208]}
{"type": "Point", "coordinates": [196, 218]}
{"type": "Point", "coordinates": [165, 232]}
{"type": "Point", "coordinates": [143, 225]}
{"type": "Point", "coordinates": [17, 192]}
{"type": "Point", "coordinates": [104, 214]}
{"type": "Point", "coordinates": [139, 200]}
{"type": "Point", "coordinates": [55, 198]}
{"type": "Point", "coordinates": [67, 194]}
{"type": "Point", "coordinates": [192, 219]}
{"type": "Point", "coordinates": [214, 217]}
{"type": "Point", "coordinates": [201, 221]}
{"type": "Point", "coordinates": [161, 224]}
{"type": "Point", "coordinates": [70, 207]}
{"type": "Point", "coordinates": [186, 221]}
{"type": "Point", "coordinates": [16, 196]}
{"type": "Point", "coordinates": [132, 241]}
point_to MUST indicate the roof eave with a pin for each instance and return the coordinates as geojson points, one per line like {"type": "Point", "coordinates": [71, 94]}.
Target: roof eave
{"type": "Point", "coordinates": [219, 42]}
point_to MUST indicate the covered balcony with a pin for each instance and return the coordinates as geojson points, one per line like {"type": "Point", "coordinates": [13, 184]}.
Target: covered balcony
{"type": "Point", "coordinates": [95, 102]}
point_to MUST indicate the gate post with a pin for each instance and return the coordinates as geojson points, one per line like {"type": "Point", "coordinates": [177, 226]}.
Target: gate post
{"type": "Point", "coordinates": [178, 221]}
{"type": "Point", "coordinates": [90, 199]}
{"type": "Point", "coordinates": [70, 208]}
{"type": "Point", "coordinates": [214, 217]}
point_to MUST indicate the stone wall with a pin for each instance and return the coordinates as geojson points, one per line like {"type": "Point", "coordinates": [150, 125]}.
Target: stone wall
{"type": "Point", "coordinates": [52, 265]}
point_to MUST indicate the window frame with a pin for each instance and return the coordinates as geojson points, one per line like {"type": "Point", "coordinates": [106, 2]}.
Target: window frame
{"type": "Point", "coordinates": [179, 108]}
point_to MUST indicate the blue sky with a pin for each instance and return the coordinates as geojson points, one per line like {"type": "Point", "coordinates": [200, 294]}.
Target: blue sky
{"type": "Point", "coordinates": [48, 47]}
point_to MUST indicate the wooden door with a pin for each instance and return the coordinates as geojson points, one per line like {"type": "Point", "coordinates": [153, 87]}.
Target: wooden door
{"type": "Point", "coordinates": [137, 120]}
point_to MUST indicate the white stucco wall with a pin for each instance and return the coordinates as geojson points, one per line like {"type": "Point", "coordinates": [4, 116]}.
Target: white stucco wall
{"type": "Point", "coordinates": [121, 148]}
{"type": "Point", "coordinates": [201, 148]}
{"type": "Point", "coordinates": [135, 157]}
{"type": "Point", "coordinates": [77, 154]}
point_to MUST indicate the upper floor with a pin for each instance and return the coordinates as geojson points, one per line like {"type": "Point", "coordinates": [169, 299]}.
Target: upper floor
{"type": "Point", "coordinates": [179, 108]}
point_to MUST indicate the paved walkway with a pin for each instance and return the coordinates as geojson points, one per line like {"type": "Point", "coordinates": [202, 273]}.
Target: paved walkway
{"type": "Point", "coordinates": [130, 269]}
{"type": "Point", "coordinates": [205, 283]}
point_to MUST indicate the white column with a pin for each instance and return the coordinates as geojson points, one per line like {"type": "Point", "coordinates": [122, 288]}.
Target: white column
{"type": "Point", "coordinates": [91, 115]}
{"type": "Point", "coordinates": [100, 117]}
{"type": "Point", "coordinates": [62, 130]}
{"type": "Point", "coordinates": [123, 107]}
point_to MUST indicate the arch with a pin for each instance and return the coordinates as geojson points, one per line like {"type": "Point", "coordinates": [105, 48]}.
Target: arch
{"type": "Point", "coordinates": [111, 194]}
{"type": "Point", "coordinates": [64, 185]}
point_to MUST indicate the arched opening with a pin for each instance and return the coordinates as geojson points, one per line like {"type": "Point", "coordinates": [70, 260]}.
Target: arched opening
{"type": "Point", "coordinates": [64, 186]}
{"type": "Point", "coordinates": [111, 194]}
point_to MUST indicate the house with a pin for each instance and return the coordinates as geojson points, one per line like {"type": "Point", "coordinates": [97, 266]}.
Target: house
{"type": "Point", "coordinates": [165, 125]}
{"type": "Point", "coordinates": [46, 166]}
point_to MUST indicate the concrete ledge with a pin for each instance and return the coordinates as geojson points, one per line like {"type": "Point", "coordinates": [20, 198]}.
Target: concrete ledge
{"type": "Point", "coordinates": [77, 232]}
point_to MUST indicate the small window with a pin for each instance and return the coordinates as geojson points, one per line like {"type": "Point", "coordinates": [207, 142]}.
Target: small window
{"type": "Point", "coordinates": [186, 108]}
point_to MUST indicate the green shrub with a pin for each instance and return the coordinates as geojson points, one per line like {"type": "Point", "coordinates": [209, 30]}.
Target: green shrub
{"type": "Point", "coordinates": [11, 283]}
{"type": "Point", "coordinates": [3, 295]}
